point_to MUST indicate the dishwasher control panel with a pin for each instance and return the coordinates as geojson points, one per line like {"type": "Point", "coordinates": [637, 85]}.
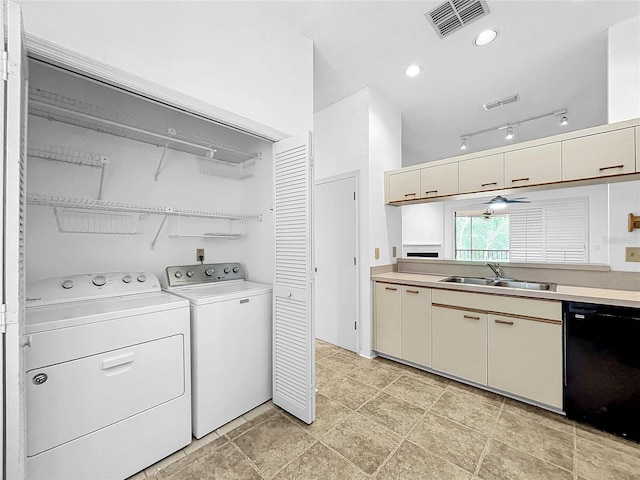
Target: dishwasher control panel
{"type": "Point", "coordinates": [203, 273]}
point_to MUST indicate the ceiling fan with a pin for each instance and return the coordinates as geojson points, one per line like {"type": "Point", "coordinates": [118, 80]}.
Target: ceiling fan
{"type": "Point", "coordinates": [486, 215]}
{"type": "Point", "coordinates": [499, 202]}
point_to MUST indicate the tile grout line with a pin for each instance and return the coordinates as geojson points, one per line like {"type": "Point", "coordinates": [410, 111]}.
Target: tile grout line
{"type": "Point", "coordinates": [490, 434]}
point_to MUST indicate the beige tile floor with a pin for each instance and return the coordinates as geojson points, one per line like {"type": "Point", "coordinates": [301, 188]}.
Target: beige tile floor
{"type": "Point", "coordinates": [383, 420]}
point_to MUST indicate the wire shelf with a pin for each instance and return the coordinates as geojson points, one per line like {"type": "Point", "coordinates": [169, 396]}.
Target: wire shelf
{"type": "Point", "coordinates": [212, 166]}
{"type": "Point", "coordinates": [83, 221]}
{"type": "Point", "coordinates": [66, 155]}
{"type": "Point", "coordinates": [86, 115]}
{"type": "Point", "coordinates": [89, 204]}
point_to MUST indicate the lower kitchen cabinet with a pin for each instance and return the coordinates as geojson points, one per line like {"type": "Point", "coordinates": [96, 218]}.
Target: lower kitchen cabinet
{"type": "Point", "coordinates": [460, 343]}
{"type": "Point", "coordinates": [416, 325]}
{"type": "Point", "coordinates": [388, 319]}
{"type": "Point", "coordinates": [525, 358]}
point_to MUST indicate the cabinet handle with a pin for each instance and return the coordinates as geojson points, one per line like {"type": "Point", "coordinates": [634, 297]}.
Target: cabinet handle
{"type": "Point", "coordinates": [409, 194]}
{"type": "Point", "coordinates": [390, 288]}
{"type": "Point", "coordinates": [504, 322]}
{"type": "Point", "coordinates": [430, 191]}
{"type": "Point", "coordinates": [602, 169]}
{"type": "Point", "coordinates": [412, 291]}
{"type": "Point", "coordinates": [471, 317]}
{"type": "Point", "coordinates": [490, 183]}
{"type": "Point", "coordinates": [523, 179]}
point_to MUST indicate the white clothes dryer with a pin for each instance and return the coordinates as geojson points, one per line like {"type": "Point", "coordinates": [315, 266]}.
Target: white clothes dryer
{"type": "Point", "coordinates": [108, 385]}
{"type": "Point", "coordinates": [230, 341]}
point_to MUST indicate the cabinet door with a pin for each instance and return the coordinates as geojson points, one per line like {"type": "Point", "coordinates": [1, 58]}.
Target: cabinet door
{"type": "Point", "coordinates": [525, 358]}
{"type": "Point", "coordinates": [388, 316]}
{"type": "Point", "coordinates": [601, 155]}
{"type": "Point", "coordinates": [416, 325]}
{"type": "Point", "coordinates": [404, 186]}
{"type": "Point", "coordinates": [484, 173]}
{"type": "Point", "coordinates": [439, 180]}
{"type": "Point", "coordinates": [638, 149]}
{"type": "Point", "coordinates": [460, 343]}
{"type": "Point", "coordinates": [533, 166]}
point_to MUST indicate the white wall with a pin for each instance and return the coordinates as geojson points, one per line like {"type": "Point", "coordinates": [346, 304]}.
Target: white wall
{"type": "Point", "coordinates": [363, 132]}
{"type": "Point", "coordinates": [624, 198]}
{"type": "Point", "coordinates": [624, 70]}
{"type": "Point", "coordinates": [233, 55]}
{"type": "Point", "coordinates": [130, 178]}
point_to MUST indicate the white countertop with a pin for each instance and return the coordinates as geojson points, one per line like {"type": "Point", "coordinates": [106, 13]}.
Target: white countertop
{"type": "Point", "coordinates": [605, 296]}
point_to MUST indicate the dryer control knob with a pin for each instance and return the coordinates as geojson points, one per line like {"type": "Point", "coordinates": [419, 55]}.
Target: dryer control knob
{"type": "Point", "coordinates": [227, 270]}
{"type": "Point", "coordinates": [67, 284]}
{"type": "Point", "coordinates": [126, 279]}
{"type": "Point", "coordinates": [178, 274]}
{"type": "Point", "coordinates": [190, 273]}
{"type": "Point", "coordinates": [236, 269]}
{"type": "Point", "coordinates": [209, 271]}
{"type": "Point", "coordinates": [141, 278]}
{"type": "Point", "coordinates": [100, 280]}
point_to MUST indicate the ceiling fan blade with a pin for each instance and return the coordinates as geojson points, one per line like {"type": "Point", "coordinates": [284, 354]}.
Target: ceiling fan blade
{"type": "Point", "coordinates": [518, 201]}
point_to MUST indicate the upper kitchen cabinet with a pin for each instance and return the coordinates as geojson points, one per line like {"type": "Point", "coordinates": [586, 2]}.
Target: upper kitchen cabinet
{"type": "Point", "coordinates": [604, 154]}
{"type": "Point", "coordinates": [439, 180]}
{"type": "Point", "coordinates": [481, 174]}
{"type": "Point", "coordinates": [533, 166]}
{"type": "Point", "coordinates": [404, 186]}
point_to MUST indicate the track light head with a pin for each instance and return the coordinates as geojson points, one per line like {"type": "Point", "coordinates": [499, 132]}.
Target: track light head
{"type": "Point", "coordinates": [509, 134]}
{"type": "Point", "coordinates": [463, 144]}
{"type": "Point", "coordinates": [564, 120]}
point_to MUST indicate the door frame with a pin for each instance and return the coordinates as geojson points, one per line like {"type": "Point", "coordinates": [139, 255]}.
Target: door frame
{"type": "Point", "coordinates": [355, 174]}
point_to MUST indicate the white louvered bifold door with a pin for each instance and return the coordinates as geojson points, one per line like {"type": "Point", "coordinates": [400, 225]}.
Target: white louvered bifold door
{"type": "Point", "coordinates": [14, 187]}
{"type": "Point", "coordinates": [293, 328]}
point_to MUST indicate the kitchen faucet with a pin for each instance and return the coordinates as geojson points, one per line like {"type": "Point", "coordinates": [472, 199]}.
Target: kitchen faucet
{"type": "Point", "coordinates": [495, 268]}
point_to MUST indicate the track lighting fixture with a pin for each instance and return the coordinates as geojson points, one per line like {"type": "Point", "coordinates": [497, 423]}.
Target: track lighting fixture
{"type": "Point", "coordinates": [463, 144]}
{"type": "Point", "coordinates": [564, 120]}
{"type": "Point", "coordinates": [509, 134]}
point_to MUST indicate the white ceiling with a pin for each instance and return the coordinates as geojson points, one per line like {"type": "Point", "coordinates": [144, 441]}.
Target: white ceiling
{"type": "Point", "coordinates": [552, 53]}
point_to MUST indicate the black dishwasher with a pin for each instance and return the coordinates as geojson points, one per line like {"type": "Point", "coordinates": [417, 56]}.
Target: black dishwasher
{"type": "Point", "coordinates": [602, 369]}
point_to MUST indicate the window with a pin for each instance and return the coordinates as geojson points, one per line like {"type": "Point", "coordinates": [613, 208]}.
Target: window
{"type": "Point", "coordinates": [551, 231]}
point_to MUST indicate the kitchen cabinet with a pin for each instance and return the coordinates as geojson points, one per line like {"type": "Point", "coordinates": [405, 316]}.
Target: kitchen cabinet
{"type": "Point", "coordinates": [525, 357]}
{"type": "Point", "coordinates": [480, 174]}
{"type": "Point", "coordinates": [388, 319]}
{"type": "Point", "coordinates": [600, 155]}
{"type": "Point", "coordinates": [404, 186]}
{"type": "Point", "coordinates": [533, 166]}
{"type": "Point", "coordinates": [460, 343]}
{"type": "Point", "coordinates": [416, 325]}
{"type": "Point", "coordinates": [637, 149]}
{"type": "Point", "coordinates": [439, 180]}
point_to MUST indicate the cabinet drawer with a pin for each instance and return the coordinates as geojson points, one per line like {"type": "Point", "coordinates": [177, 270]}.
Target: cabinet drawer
{"type": "Point", "coordinates": [601, 155]}
{"type": "Point", "coordinates": [480, 174]}
{"type": "Point", "coordinates": [388, 319]}
{"type": "Point", "coordinates": [460, 343]}
{"type": "Point", "coordinates": [525, 358]}
{"type": "Point", "coordinates": [439, 180]}
{"type": "Point", "coordinates": [546, 309]}
{"type": "Point", "coordinates": [533, 166]}
{"type": "Point", "coordinates": [416, 325]}
{"type": "Point", "coordinates": [404, 186]}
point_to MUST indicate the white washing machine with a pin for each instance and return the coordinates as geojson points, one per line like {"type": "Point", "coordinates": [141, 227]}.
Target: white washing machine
{"type": "Point", "coordinates": [230, 341]}
{"type": "Point", "coordinates": [108, 386]}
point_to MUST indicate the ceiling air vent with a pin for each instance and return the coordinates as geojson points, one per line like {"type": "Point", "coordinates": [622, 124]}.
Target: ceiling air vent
{"type": "Point", "coordinates": [500, 103]}
{"type": "Point", "coordinates": [452, 15]}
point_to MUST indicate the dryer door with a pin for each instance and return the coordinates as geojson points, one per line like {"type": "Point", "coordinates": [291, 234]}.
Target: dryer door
{"type": "Point", "coordinates": [72, 399]}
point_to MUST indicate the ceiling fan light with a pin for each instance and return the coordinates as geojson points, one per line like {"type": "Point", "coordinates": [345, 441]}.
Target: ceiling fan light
{"type": "Point", "coordinates": [498, 203]}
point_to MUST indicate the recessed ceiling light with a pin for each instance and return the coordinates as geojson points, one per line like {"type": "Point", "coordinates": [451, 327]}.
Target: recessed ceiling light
{"type": "Point", "coordinates": [412, 70]}
{"type": "Point", "coordinates": [485, 37]}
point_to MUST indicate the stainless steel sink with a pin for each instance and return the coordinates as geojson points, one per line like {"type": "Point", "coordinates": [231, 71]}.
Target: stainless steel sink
{"type": "Point", "coordinates": [502, 282]}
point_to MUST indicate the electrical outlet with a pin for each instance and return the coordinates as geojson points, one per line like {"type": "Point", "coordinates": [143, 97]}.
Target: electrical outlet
{"type": "Point", "coordinates": [200, 254]}
{"type": "Point", "coordinates": [377, 253]}
{"type": "Point", "coordinates": [632, 254]}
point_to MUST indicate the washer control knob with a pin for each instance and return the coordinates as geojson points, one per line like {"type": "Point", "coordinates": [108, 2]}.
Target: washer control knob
{"type": "Point", "coordinates": [126, 279]}
{"type": "Point", "coordinates": [209, 271]}
{"type": "Point", "coordinates": [141, 278]}
{"type": "Point", "coordinates": [67, 284]}
{"type": "Point", "coordinates": [178, 274]}
{"type": "Point", "coordinates": [190, 273]}
{"type": "Point", "coordinates": [227, 269]}
{"type": "Point", "coordinates": [100, 280]}
{"type": "Point", "coordinates": [236, 269]}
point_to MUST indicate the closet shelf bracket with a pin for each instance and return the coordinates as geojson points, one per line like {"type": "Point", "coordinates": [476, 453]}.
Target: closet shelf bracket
{"type": "Point", "coordinates": [164, 151]}
{"type": "Point", "coordinates": [104, 161]}
{"type": "Point", "coordinates": [155, 238]}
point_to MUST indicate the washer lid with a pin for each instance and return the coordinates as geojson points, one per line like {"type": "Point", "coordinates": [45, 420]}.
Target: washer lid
{"type": "Point", "coordinates": [62, 315]}
{"type": "Point", "coordinates": [203, 294]}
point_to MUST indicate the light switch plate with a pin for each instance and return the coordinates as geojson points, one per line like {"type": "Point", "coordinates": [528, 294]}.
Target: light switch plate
{"type": "Point", "coordinates": [377, 253]}
{"type": "Point", "coordinates": [632, 254]}
{"type": "Point", "coordinates": [394, 252]}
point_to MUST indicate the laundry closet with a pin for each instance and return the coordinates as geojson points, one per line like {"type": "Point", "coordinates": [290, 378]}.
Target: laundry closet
{"type": "Point", "coordinates": [116, 181]}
